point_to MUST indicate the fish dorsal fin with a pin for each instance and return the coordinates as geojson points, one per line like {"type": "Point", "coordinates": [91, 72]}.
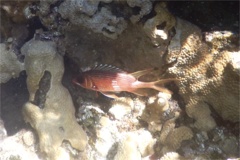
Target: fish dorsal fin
{"type": "Point", "coordinates": [107, 67]}
{"type": "Point", "coordinates": [141, 73]}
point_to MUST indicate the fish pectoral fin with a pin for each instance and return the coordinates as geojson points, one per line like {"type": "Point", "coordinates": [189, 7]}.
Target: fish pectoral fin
{"type": "Point", "coordinates": [110, 94]}
{"type": "Point", "coordinates": [141, 73]}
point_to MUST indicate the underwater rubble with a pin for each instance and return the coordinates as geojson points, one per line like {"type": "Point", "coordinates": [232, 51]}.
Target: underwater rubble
{"type": "Point", "coordinates": [46, 43]}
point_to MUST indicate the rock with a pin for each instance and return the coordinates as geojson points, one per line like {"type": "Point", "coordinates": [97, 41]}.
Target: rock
{"type": "Point", "coordinates": [172, 156]}
{"type": "Point", "coordinates": [3, 132]}
{"type": "Point", "coordinates": [100, 21]}
{"type": "Point", "coordinates": [29, 138]}
{"type": "Point", "coordinates": [54, 121]}
{"type": "Point", "coordinates": [158, 27]}
{"type": "Point", "coordinates": [159, 109]}
{"type": "Point", "coordinates": [133, 36]}
{"type": "Point", "coordinates": [127, 149]}
{"type": "Point", "coordinates": [10, 67]}
{"type": "Point", "coordinates": [145, 5]}
{"type": "Point", "coordinates": [135, 145]}
{"type": "Point", "coordinates": [13, 147]}
{"type": "Point", "coordinates": [121, 107]}
{"type": "Point", "coordinates": [207, 72]}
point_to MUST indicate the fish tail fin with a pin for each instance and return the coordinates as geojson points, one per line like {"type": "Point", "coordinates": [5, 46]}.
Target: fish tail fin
{"type": "Point", "coordinates": [157, 85]}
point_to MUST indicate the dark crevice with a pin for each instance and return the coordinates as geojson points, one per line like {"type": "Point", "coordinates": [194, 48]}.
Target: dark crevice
{"type": "Point", "coordinates": [120, 9]}
{"type": "Point", "coordinates": [14, 95]}
{"type": "Point", "coordinates": [71, 69]}
{"type": "Point", "coordinates": [231, 126]}
{"type": "Point", "coordinates": [161, 26]}
{"type": "Point", "coordinates": [148, 16]}
{"type": "Point", "coordinates": [44, 86]}
{"type": "Point", "coordinates": [107, 31]}
{"type": "Point", "coordinates": [208, 15]}
{"type": "Point", "coordinates": [136, 10]}
{"type": "Point", "coordinates": [33, 25]}
{"type": "Point", "coordinates": [56, 4]}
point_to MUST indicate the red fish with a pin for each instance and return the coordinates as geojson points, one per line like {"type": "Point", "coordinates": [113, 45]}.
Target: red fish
{"type": "Point", "coordinates": [108, 80]}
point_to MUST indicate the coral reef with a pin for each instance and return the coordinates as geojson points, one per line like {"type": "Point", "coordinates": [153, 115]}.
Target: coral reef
{"type": "Point", "coordinates": [145, 5]}
{"type": "Point", "coordinates": [198, 121]}
{"type": "Point", "coordinates": [171, 155]}
{"type": "Point", "coordinates": [121, 107]}
{"type": "Point", "coordinates": [10, 67]}
{"type": "Point", "coordinates": [14, 147]}
{"type": "Point", "coordinates": [116, 138]}
{"type": "Point", "coordinates": [127, 149]}
{"type": "Point", "coordinates": [135, 145]}
{"type": "Point", "coordinates": [207, 70]}
{"type": "Point", "coordinates": [14, 31]}
{"type": "Point", "coordinates": [159, 27]}
{"type": "Point", "coordinates": [172, 137]}
{"type": "Point", "coordinates": [3, 132]}
{"type": "Point", "coordinates": [56, 121]}
{"type": "Point", "coordinates": [15, 10]}
{"type": "Point", "coordinates": [155, 112]}
{"type": "Point", "coordinates": [118, 52]}
{"type": "Point", "coordinates": [102, 21]}
{"type": "Point", "coordinates": [98, 15]}
{"type": "Point", "coordinates": [161, 115]}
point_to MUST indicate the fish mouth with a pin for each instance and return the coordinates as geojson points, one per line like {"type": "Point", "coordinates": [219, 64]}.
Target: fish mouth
{"type": "Point", "coordinates": [79, 79]}
{"type": "Point", "coordinates": [74, 81]}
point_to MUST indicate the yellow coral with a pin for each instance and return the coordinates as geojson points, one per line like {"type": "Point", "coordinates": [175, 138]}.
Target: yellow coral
{"type": "Point", "coordinates": [56, 121]}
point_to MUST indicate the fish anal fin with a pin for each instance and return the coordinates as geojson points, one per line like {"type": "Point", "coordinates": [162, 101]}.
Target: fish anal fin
{"type": "Point", "coordinates": [162, 89]}
{"type": "Point", "coordinates": [110, 94]}
{"type": "Point", "coordinates": [162, 81]}
{"type": "Point", "coordinates": [141, 73]}
{"type": "Point", "coordinates": [157, 85]}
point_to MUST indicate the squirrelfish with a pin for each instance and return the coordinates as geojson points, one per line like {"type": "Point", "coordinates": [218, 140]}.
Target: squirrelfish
{"type": "Point", "coordinates": [108, 80]}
